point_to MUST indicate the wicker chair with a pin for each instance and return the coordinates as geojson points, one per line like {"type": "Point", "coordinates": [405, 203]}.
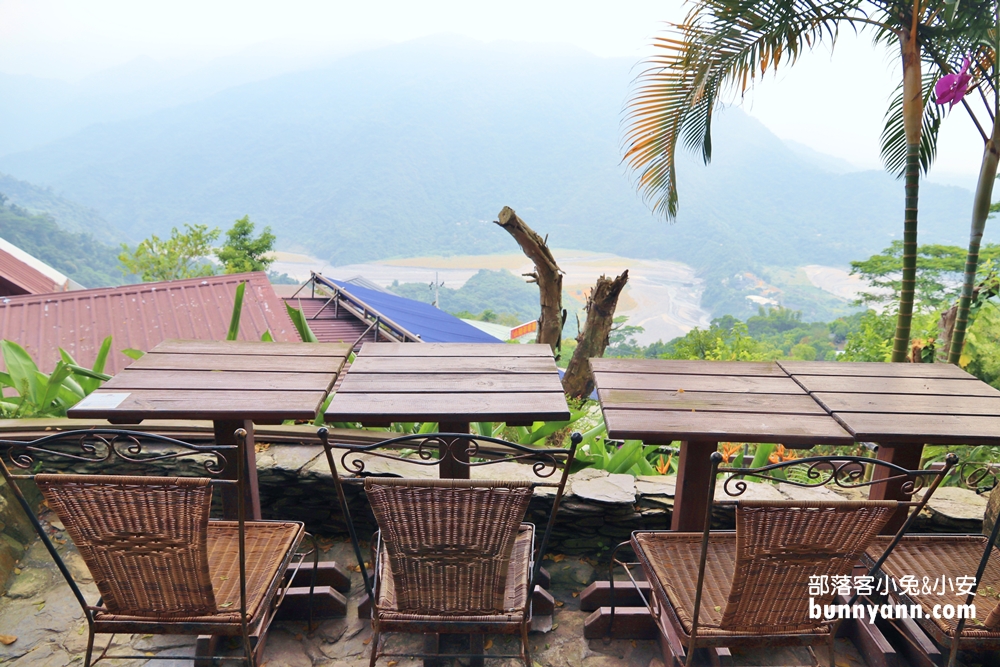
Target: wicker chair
{"type": "Point", "coordinates": [160, 565]}
{"type": "Point", "coordinates": [452, 555]}
{"type": "Point", "coordinates": [750, 588]}
{"type": "Point", "coordinates": [951, 557]}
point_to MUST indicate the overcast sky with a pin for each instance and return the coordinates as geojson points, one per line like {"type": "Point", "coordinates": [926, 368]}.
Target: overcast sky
{"type": "Point", "coordinates": [833, 103]}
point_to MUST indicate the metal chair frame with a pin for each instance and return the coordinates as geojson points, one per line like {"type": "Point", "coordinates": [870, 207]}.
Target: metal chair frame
{"type": "Point", "coordinates": [455, 449]}
{"type": "Point", "coordinates": [847, 472]}
{"type": "Point", "coordinates": [106, 445]}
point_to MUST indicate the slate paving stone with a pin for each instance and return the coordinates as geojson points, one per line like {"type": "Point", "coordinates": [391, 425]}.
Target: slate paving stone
{"type": "Point", "coordinates": [52, 637]}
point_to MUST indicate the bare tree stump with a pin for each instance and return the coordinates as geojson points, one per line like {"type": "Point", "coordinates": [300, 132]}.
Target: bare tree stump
{"type": "Point", "coordinates": [946, 327]}
{"type": "Point", "coordinates": [593, 339]}
{"type": "Point", "coordinates": [547, 274]}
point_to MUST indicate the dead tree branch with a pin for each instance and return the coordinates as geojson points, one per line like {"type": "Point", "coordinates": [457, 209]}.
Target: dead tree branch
{"type": "Point", "coordinates": [547, 274]}
{"type": "Point", "coordinates": [594, 337]}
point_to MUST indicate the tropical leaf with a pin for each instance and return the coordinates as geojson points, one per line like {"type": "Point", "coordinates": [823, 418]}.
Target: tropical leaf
{"type": "Point", "coordinates": [301, 324]}
{"type": "Point", "coordinates": [721, 45]}
{"type": "Point", "coordinates": [234, 320]}
{"type": "Point", "coordinates": [318, 421]}
{"type": "Point", "coordinates": [22, 370]}
{"type": "Point", "coordinates": [625, 457]}
{"type": "Point", "coordinates": [52, 383]}
{"type": "Point", "coordinates": [764, 450]}
{"type": "Point", "coordinates": [102, 356]}
{"type": "Point", "coordinates": [89, 374]}
{"type": "Point", "coordinates": [132, 353]}
{"type": "Point", "coordinates": [266, 336]}
{"type": "Point", "coordinates": [71, 385]}
{"type": "Point", "coordinates": [893, 142]}
{"type": "Point", "coordinates": [642, 467]}
{"type": "Point", "coordinates": [545, 429]}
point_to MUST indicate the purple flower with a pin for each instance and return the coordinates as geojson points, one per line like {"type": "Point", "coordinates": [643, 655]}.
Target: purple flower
{"type": "Point", "coordinates": [951, 88]}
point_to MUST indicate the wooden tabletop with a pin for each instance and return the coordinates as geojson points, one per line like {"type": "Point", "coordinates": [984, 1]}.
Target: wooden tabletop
{"type": "Point", "coordinates": [450, 383]}
{"type": "Point", "coordinates": [658, 400]}
{"type": "Point", "coordinates": [903, 403]}
{"type": "Point", "coordinates": [219, 380]}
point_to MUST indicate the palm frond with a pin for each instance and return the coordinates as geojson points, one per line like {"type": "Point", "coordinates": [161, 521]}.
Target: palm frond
{"type": "Point", "coordinates": [722, 45]}
{"type": "Point", "coordinates": [893, 140]}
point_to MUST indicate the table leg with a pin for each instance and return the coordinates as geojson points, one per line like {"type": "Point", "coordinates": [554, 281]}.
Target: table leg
{"type": "Point", "coordinates": [691, 494]}
{"type": "Point", "coordinates": [225, 434]}
{"type": "Point", "coordinates": [906, 456]}
{"type": "Point", "coordinates": [451, 467]}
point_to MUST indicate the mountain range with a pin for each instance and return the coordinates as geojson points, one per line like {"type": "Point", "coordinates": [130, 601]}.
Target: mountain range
{"type": "Point", "coordinates": [412, 149]}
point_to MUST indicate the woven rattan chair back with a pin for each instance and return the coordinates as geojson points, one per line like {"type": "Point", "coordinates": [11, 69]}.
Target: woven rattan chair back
{"type": "Point", "coordinates": [781, 545]}
{"type": "Point", "coordinates": [143, 538]}
{"type": "Point", "coordinates": [448, 541]}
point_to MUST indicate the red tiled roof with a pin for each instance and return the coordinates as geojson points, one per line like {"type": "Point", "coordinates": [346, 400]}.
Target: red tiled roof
{"type": "Point", "coordinates": [331, 325]}
{"type": "Point", "coordinates": [139, 317]}
{"type": "Point", "coordinates": [20, 273]}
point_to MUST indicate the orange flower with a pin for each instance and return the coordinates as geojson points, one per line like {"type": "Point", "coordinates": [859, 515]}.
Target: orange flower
{"type": "Point", "coordinates": [781, 454]}
{"type": "Point", "coordinates": [730, 449]}
{"type": "Point", "coordinates": [664, 468]}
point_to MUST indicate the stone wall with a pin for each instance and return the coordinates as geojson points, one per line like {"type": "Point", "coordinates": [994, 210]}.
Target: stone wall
{"type": "Point", "coordinates": [598, 511]}
{"type": "Point", "coordinates": [16, 530]}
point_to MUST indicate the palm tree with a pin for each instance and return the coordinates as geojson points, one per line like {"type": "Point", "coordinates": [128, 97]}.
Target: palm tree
{"type": "Point", "coordinates": [725, 44]}
{"type": "Point", "coordinates": [979, 50]}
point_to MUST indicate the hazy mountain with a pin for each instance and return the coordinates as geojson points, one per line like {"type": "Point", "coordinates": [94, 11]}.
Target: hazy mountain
{"type": "Point", "coordinates": [821, 160]}
{"type": "Point", "coordinates": [36, 110]}
{"type": "Point", "coordinates": [413, 148]}
{"type": "Point", "coordinates": [68, 214]}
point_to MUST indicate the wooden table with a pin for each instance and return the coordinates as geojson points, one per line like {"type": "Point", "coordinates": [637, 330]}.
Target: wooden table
{"type": "Point", "coordinates": [902, 407]}
{"type": "Point", "coordinates": [702, 403]}
{"type": "Point", "coordinates": [233, 383]}
{"type": "Point", "coordinates": [452, 384]}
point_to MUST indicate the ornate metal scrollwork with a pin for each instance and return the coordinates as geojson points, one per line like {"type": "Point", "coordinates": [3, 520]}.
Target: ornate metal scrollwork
{"type": "Point", "coordinates": [980, 477]}
{"type": "Point", "coordinates": [104, 446]}
{"type": "Point", "coordinates": [846, 472]}
{"type": "Point", "coordinates": [434, 448]}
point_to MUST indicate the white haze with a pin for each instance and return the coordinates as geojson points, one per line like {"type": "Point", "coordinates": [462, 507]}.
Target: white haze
{"type": "Point", "coordinates": [831, 103]}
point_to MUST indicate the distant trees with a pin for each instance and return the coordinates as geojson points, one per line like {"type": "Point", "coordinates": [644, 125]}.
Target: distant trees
{"type": "Point", "coordinates": [188, 254]}
{"type": "Point", "coordinates": [183, 255]}
{"type": "Point", "coordinates": [80, 256]}
{"type": "Point", "coordinates": [242, 252]}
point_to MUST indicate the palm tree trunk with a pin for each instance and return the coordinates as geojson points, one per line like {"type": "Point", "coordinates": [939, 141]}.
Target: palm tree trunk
{"type": "Point", "coordinates": [913, 107]}
{"type": "Point", "coordinates": [980, 211]}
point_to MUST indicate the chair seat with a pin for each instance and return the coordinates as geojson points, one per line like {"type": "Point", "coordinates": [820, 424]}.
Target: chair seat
{"type": "Point", "coordinates": [951, 556]}
{"type": "Point", "coordinates": [516, 595]}
{"type": "Point", "coordinates": [268, 544]}
{"type": "Point", "coordinates": [670, 563]}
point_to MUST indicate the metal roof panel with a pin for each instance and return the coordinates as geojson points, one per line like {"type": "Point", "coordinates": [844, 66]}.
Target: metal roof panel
{"type": "Point", "coordinates": [140, 316]}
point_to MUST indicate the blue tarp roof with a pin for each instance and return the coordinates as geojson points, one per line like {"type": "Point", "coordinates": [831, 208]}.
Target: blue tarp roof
{"type": "Point", "coordinates": [431, 324]}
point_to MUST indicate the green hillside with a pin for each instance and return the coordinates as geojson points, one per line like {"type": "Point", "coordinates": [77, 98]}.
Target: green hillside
{"type": "Point", "coordinates": [499, 291]}
{"type": "Point", "coordinates": [69, 215]}
{"type": "Point", "coordinates": [78, 255]}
